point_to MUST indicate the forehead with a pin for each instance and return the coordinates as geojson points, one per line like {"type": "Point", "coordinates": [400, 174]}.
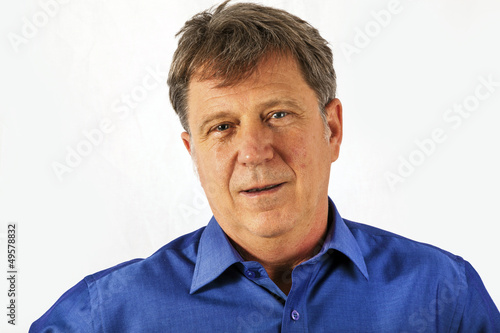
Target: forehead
{"type": "Point", "coordinates": [229, 74]}
{"type": "Point", "coordinates": [274, 77]}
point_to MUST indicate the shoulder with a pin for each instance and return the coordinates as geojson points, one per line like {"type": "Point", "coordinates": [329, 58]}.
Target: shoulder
{"type": "Point", "coordinates": [437, 283]}
{"type": "Point", "coordinates": [388, 252]}
{"type": "Point", "coordinates": [181, 251]}
{"type": "Point", "coordinates": [132, 283]}
{"type": "Point", "coordinates": [369, 236]}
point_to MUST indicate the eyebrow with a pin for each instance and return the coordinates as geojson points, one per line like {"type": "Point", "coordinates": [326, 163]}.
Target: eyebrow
{"type": "Point", "coordinates": [285, 102]}
{"type": "Point", "coordinates": [212, 117]}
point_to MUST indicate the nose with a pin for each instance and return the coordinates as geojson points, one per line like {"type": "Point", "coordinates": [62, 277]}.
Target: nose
{"type": "Point", "coordinates": [255, 144]}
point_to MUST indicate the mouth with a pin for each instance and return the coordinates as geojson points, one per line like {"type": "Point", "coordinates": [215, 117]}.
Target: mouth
{"type": "Point", "coordinates": [264, 189]}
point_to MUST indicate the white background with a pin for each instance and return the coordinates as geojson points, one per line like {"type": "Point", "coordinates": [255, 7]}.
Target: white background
{"type": "Point", "coordinates": [136, 190]}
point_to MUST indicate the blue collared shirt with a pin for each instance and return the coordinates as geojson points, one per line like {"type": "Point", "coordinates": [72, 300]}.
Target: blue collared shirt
{"type": "Point", "coordinates": [362, 280]}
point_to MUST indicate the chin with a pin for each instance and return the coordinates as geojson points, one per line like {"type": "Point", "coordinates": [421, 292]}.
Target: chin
{"type": "Point", "coordinates": [268, 233]}
{"type": "Point", "coordinates": [270, 226]}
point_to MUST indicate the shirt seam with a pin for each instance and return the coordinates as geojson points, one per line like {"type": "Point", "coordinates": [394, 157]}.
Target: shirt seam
{"type": "Point", "coordinates": [459, 313]}
{"type": "Point", "coordinates": [92, 323]}
{"type": "Point", "coordinates": [93, 309]}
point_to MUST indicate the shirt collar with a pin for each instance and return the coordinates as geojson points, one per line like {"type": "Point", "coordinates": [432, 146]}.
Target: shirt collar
{"type": "Point", "coordinates": [216, 254]}
{"type": "Point", "coordinates": [341, 239]}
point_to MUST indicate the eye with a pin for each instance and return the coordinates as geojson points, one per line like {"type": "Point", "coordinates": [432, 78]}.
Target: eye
{"type": "Point", "coordinates": [279, 114]}
{"type": "Point", "coordinates": [221, 127]}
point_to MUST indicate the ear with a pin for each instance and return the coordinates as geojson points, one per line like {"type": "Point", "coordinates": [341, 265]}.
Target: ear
{"type": "Point", "coordinates": [334, 119]}
{"type": "Point", "coordinates": [186, 139]}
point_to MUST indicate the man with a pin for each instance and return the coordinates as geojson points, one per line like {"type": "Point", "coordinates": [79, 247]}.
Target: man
{"type": "Point", "coordinates": [254, 88]}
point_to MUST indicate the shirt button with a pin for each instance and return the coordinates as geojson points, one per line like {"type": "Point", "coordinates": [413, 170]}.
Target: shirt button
{"type": "Point", "coordinates": [250, 274]}
{"type": "Point", "coordinates": [295, 315]}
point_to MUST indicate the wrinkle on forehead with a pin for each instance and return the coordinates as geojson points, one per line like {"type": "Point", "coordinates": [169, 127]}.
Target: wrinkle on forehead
{"type": "Point", "coordinates": [267, 63]}
{"type": "Point", "coordinates": [226, 75]}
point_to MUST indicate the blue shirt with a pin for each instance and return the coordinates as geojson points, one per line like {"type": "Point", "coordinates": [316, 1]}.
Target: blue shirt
{"type": "Point", "coordinates": [362, 280]}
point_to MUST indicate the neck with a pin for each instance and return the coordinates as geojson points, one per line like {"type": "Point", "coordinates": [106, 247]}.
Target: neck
{"type": "Point", "coordinates": [279, 256]}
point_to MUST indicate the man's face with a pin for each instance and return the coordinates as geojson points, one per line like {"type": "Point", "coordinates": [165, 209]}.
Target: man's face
{"type": "Point", "coordinates": [262, 151]}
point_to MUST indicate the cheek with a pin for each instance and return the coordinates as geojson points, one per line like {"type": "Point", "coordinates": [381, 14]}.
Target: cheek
{"type": "Point", "coordinates": [214, 170]}
{"type": "Point", "coordinates": [300, 152]}
{"type": "Point", "coordinates": [309, 159]}
{"type": "Point", "coordinates": [301, 155]}
{"type": "Point", "coordinates": [221, 162]}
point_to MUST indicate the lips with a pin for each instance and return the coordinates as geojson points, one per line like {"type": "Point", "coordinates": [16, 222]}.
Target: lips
{"type": "Point", "coordinates": [264, 188]}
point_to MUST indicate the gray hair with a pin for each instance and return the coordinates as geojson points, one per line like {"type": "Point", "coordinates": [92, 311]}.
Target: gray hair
{"type": "Point", "coordinates": [229, 42]}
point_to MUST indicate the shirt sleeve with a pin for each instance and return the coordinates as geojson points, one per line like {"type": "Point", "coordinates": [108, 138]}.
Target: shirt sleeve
{"type": "Point", "coordinates": [71, 313]}
{"type": "Point", "coordinates": [480, 313]}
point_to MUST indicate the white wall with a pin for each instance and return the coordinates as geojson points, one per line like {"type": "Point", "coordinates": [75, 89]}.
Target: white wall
{"type": "Point", "coordinates": [136, 190]}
